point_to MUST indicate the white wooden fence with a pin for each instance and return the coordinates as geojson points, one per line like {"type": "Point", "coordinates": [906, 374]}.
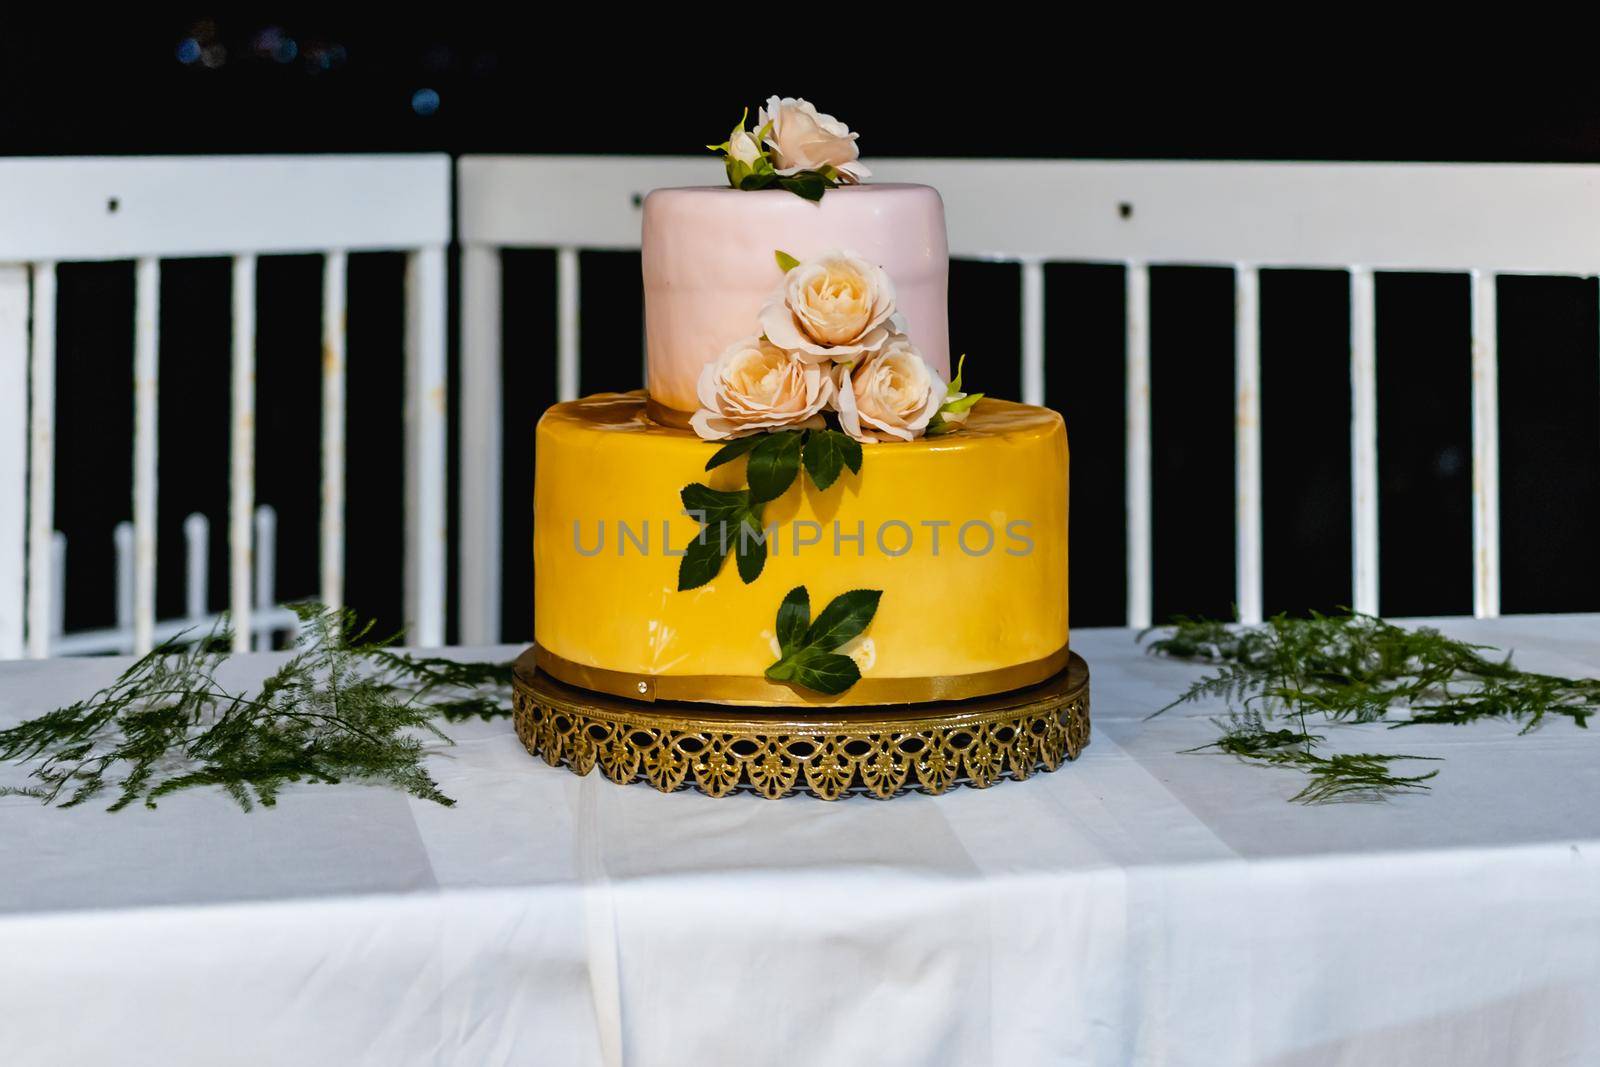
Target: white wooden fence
{"type": "Point", "coordinates": [267, 616]}
{"type": "Point", "coordinates": [150, 209]}
{"type": "Point", "coordinates": [1482, 220]}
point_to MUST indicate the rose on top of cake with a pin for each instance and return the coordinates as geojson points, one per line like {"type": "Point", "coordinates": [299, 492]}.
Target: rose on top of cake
{"type": "Point", "coordinates": [793, 146]}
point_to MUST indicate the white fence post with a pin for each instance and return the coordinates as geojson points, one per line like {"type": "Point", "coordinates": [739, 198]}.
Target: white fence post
{"type": "Point", "coordinates": [146, 343]}
{"type": "Point", "coordinates": [333, 428]}
{"type": "Point", "coordinates": [1138, 445]}
{"type": "Point", "coordinates": [266, 530]}
{"type": "Point", "coordinates": [1485, 448]}
{"type": "Point", "coordinates": [197, 556]}
{"type": "Point", "coordinates": [426, 445]}
{"type": "Point", "coordinates": [42, 459]}
{"type": "Point", "coordinates": [242, 474]}
{"type": "Point", "coordinates": [58, 583]}
{"type": "Point", "coordinates": [1247, 443]}
{"type": "Point", "coordinates": [13, 457]}
{"type": "Point", "coordinates": [1033, 369]}
{"type": "Point", "coordinates": [1363, 442]}
{"type": "Point", "coordinates": [123, 538]}
{"type": "Point", "coordinates": [567, 342]}
{"type": "Point", "coordinates": [479, 460]}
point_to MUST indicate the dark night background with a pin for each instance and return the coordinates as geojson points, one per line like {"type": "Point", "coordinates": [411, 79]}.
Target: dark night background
{"type": "Point", "coordinates": [157, 84]}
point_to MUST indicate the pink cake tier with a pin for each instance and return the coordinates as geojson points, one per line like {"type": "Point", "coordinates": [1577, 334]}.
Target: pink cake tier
{"type": "Point", "coordinates": [709, 267]}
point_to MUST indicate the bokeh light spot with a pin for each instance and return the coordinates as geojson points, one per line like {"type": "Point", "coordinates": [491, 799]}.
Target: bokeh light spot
{"type": "Point", "coordinates": [425, 101]}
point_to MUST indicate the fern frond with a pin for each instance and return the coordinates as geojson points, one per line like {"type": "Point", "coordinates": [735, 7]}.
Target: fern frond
{"type": "Point", "coordinates": [1354, 668]}
{"type": "Point", "coordinates": [344, 706]}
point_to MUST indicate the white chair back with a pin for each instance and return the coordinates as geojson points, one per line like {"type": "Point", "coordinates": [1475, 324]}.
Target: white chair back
{"type": "Point", "coordinates": [149, 209]}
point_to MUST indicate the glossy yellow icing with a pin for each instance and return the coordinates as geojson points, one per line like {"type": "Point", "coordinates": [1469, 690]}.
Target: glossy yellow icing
{"type": "Point", "coordinates": [606, 597]}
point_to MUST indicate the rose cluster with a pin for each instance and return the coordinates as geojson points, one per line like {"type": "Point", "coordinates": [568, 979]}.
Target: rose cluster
{"type": "Point", "coordinates": [831, 341]}
{"type": "Point", "coordinates": [793, 146]}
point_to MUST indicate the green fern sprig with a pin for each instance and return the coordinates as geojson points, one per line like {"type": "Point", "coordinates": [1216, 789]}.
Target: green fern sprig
{"type": "Point", "coordinates": [343, 707]}
{"type": "Point", "coordinates": [1341, 776]}
{"type": "Point", "coordinates": [1355, 669]}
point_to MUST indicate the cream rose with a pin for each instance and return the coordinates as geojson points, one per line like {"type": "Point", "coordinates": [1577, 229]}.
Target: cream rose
{"type": "Point", "coordinates": [743, 146]}
{"type": "Point", "coordinates": [755, 386]}
{"type": "Point", "coordinates": [889, 395]}
{"type": "Point", "coordinates": [803, 139]}
{"type": "Point", "coordinates": [957, 415]}
{"type": "Point", "coordinates": [835, 307]}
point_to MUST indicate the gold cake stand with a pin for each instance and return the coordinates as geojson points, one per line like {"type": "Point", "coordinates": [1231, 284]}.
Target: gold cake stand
{"type": "Point", "coordinates": [880, 751]}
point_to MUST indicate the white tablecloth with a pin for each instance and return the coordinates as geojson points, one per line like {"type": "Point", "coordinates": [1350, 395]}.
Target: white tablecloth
{"type": "Point", "coordinates": [1138, 906]}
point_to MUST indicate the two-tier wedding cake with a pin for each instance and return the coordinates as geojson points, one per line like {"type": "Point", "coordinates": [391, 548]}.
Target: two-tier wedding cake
{"type": "Point", "coordinates": [805, 505]}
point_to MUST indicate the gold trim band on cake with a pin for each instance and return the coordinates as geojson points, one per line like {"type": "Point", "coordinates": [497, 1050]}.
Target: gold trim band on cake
{"type": "Point", "coordinates": [743, 689]}
{"type": "Point", "coordinates": [882, 752]}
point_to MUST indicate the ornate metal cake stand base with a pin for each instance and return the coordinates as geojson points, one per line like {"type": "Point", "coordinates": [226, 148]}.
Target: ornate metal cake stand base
{"type": "Point", "coordinates": [882, 751]}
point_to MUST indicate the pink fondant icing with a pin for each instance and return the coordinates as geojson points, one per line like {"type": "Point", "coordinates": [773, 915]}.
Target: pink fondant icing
{"type": "Point", "coordinates": [709, 266]}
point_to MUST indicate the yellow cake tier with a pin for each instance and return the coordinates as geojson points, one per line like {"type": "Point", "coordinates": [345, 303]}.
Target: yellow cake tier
{"type": "Point", "coordinates": [965, 534]}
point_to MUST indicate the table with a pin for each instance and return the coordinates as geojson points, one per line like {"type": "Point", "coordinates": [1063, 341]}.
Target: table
{"type": "Point", "coordinates": [1138, 906]}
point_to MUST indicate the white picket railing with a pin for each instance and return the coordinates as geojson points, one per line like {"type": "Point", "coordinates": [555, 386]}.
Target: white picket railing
{"type": "Point", "coordinates": [267, 617]}
{"type": "Point", "coordinates": [149, 209]}
{"type": "Point", "coordinates": [1480, 219]}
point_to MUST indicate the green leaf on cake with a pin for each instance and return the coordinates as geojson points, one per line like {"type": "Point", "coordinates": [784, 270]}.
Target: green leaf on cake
{"type": "Point", "coordinates": [774, 462]}
{"type": "Point", "coordinates": [742, 175]}
{"type": "Point", "coordinates": [732, 451]}
{"type": "Point", "coordinates": [827, 453]}
{"type": "Point", "coordinates": [731, 519]}
{"type": "Point", "coordinates": [811, 656]}
{"type": "Point", "coordinates": [775, 459]}
{"type": "Point", "coordinates": [716, 510]}
{"type": "Point", "coordinates": [730, 522]}
{"type": "Point", "coordinates": [825, 672]}
{"type": "Point", "coordinates": [786, 262]}
{"type": "Point", "coordinates": [701, 561]}
{"type": "Point", "coordinates": [751, 546]}
{"type": "Point", "coordinates": [808, 184]}
{"type": "Point", "coordinates": [844, 618]}
{"type": "Point", "coordinates": [794, 616]}
{"type": "Point", "coordinates": [714, 505]}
